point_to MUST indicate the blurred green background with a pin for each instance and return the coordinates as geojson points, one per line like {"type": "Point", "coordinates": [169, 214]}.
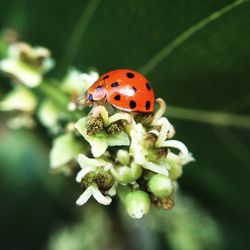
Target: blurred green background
{"type": "Point", "coordinates": [209, 71]}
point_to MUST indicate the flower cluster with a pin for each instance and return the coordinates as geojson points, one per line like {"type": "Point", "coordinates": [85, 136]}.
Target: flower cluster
{"type": "Point", "coordinates": [134, 150]}
{"type": "Point", "coordinates": [126, 153]}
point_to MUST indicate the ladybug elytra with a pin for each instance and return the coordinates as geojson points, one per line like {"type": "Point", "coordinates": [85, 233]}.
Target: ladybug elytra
{"type": "Point", "coordinates": [125, 89]}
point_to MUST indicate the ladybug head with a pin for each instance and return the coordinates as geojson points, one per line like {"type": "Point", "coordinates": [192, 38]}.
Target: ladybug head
{"type": "Point", "coordinates": [96, 92]}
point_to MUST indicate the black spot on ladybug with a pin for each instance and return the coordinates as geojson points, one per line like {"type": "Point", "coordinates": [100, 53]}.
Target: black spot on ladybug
{"type": "Point", "coordinates": [99, 88]}
{"type": "Point", "coordinates": [147, 106]}
{"type": "Point", "coordinates": [91, 98]}
{"type": "Point", "coordinates": [132, 104]}
{"type": "Point", "coordinates": [105, 77]}
{"type": "Point", "coordinates": [148, 86]}
{"type": "Point", "coordinates": [117, 97]}
{"type": "Point", "coordinates": [115, 84]}
{"type": "Point", "coordinates": [130, 75]}
{"type": "Point", "coordinates": [134, 88]}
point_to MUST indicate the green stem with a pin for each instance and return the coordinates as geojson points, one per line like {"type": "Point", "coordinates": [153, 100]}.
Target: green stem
{"type": "Point", "coordinates": [78, 33]}
{"type": "Point", "coordinates": [209, 117]}
{"type": "Point", "coordinates": [50, 90]}
{"type": "Point", "coordinates": [167, 50]}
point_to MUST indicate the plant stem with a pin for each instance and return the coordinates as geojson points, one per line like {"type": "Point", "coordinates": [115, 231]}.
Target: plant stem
{"type": "Point", "coordinates": [209, 117]}
{"type": "Point", "coordinates": [50, 90]}
{"type": "Point", "coordinates": [78, 33]}
{"type": "Point", "coordinates": [169, 48]}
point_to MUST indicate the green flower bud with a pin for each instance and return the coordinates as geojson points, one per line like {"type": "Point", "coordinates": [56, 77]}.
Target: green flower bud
{"type": "Point", "coordinates": [123, 157]}
{"type": "Point", "coordinates": [161, 186]}
{"type": "Point", "coordinates": [126, 174]}
{"type": "Point", "coordinates": [137, 203]}
{"type": "Point", "coordinates": [94, 125]}
{"type": "Point", "coordinates": [116, 127]}
{"type": "Point", "coordinates": [175, 170]}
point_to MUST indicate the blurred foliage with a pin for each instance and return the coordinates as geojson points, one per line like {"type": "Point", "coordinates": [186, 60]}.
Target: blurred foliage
{"type": "Point", "coordinates": [208, 71]}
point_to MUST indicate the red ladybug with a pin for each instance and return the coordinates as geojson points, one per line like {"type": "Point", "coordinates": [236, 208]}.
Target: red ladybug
{"type": "Point", "coordinates": [125, 89]}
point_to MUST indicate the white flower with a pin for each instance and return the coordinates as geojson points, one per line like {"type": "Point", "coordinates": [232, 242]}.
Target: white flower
{"type": "Point", "coordinates": [27, 64]}
{"type": "Point", "coordinates": [89, 78]}
{"type": "Point", "coordinates": [21, 121]}
{"type": "Point", "coordinates": [50, 115]}
{"type": "Point", "coordinates": [19, 99]}
{"type": "Point", "coordinates": [101, 141]}
{"type": "Point", "coordinates": [91, 165]}
{"type": "Point", "coordinates": [140, 152]}
{"type": "Point", "coordinates": [64, 150]}
{"type": "Point", "coordinates": [77, 83]}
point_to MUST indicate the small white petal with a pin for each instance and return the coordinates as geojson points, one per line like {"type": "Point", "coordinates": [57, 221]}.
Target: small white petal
{"type": "Point", "coordinates": [159, 169]}
{"type": "Point", "coordinates": [84, 162]}
{"type": "Point", "coordinates": [187, 159]}
{"type": "Point", "coordinates": [171, 131]}
{"type": "Point", "coordinates": [100, 142]}
{"type": "Point", "coordinates": [92, 164]}
{"type": "Point", "coordinates": [82, 173]}
{"type": "Point", "coordinates": [177, 144]}
{"type": "Point", "coordinates": [98, 147]}
{"type": "Point", "coordinates": [65, 148]}
{"type": "Point", "coordinates": [72, 106]}
{"type": "Point", "coordinates": [20, 99]}
{"type": "Point", "coordinates": [99, 197]}
{"type": "Point", "coordinates": [24, 74]}
{"type": "Point", "coordinates": [85, 196]}
{"type": "Point", "coordinates": [50, 114]}
{"type": "Point", "coordinates": [21, 121]}
{"type": "Point", "coordinates": [112, 190]}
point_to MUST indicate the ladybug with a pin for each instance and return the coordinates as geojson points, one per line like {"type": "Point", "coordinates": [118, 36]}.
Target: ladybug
{"type": "Point", "coordinates": [125, 89]}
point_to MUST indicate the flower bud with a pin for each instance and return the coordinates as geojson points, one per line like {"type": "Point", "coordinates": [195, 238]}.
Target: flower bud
{"type": "Point", "coordinates": [137, 203]}
{"type": "Point", "coordinates": [123, 157]}
{"type": "Point", "coordinates": [161, 186]}
{"type": "Point", "coordinates": [175, 171]}
{"type": "Point", "coordinates": [126, 174]}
